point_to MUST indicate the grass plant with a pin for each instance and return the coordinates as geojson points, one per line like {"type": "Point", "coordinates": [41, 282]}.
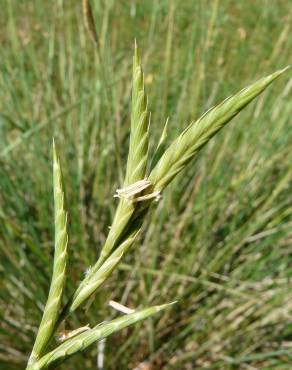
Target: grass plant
{"type": "Point", "coordinates": [217, 239]}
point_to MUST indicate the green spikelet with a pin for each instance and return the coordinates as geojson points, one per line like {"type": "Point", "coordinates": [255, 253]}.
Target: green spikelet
{"type": "Point", "coordinates": [95, 279]}
{"type": "Point", "coordinates": [138, 151]}
{"type": "Point", "coordinates": [82, 341]}
{"type": "Point", "coordinates": [52, 308]}
{"type": "Point", "coordinates": [137, 158]}
{"type": "Point", "coordinates": [198, 133]}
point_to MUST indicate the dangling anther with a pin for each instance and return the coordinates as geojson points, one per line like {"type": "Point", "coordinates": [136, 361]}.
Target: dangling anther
{"type": "Point", "coordinates": [129, 192]}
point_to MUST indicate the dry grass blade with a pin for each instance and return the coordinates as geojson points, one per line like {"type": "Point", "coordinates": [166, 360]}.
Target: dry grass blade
{"type": "Point", "coordinates": [84, 340]}
{"type": "Point", "coordinates": [89, 21]}
{"type": "Point", "coordinates": [52, 309]}
{"type": "Point", "coordinates": [198, 133]}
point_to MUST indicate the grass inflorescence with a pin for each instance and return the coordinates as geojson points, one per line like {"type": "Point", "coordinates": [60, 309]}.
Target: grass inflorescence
{"type": "Point", "coordinates": [217, 232]}
{"type": "Point", "coordinates": [172, 161]}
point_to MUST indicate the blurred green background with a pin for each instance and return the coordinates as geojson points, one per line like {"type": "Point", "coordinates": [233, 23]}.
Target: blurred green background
{"type": "Point", "coordinates": [220, 241]}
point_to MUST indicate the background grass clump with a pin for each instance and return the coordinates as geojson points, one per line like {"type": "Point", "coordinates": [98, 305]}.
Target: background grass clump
{"type": "Point", "coordinates": [220, 240]}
